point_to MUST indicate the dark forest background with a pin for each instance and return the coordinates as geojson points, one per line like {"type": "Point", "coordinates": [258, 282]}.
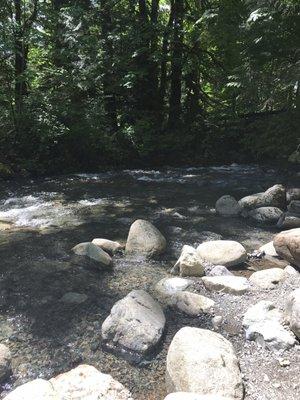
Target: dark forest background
{"type": "Point", "coordinates": [88, 84]}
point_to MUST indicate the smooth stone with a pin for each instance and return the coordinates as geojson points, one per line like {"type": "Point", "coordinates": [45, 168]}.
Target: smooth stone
{"type": "Point", "coordinates": [222, 252]}
{"type": "Point", "coordinates": [87, 383]}
{"type": "Point", "coordinates": [288, 221]}
{"type": "Point", "coordinates": [292, 311]}
{"type": "Point", "coordinates": [227, 206]}
{"type": "Point", "coordinates": [189, 263]}
{"type": "Point", "coordinates": [38, 389]}
{"type": "Point", "coordinates": [203, 362]}
{"type": "Point", "coordinates": [293, 194]}
{"type": "Point", "coordinates": [275, 196]}
{"type": "Point", "coordinates": [109, 246]}
{"type": "Point", "coordinates": [5, 361]}
{"type": "Point", "coordinates": [94, 252]}
{"type": "Point", "coordinates": [74, 298]}
{"type": "Point", "coordinates": [269, 249]}
{"type": "Point", "coordinates": [136, 323]}
{"type": "Point", "coordinates": [192, 304]}
{"type": "Point", "coordinates": [218, 270]}
{"type": "Point", "coordinates": [294, 207]}
{"type": "Point", "coordinates": [227, 284]}
{"type": "Point", "coordinates": [145, 239]}
{"type": "Point", "coordinates": [268, 278]}
{"type": "Point", "coordinates": [270, 334]}
{"type": "Point", "coordinates": [167, 287]}
{"type": "Point", "coordinates": [266, 214]}
{"type": "Point", "coordinates": [287, 245]}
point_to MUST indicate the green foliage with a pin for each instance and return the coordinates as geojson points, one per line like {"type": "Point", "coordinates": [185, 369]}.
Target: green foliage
{"type": "Point", "coordinates": [97, 81]}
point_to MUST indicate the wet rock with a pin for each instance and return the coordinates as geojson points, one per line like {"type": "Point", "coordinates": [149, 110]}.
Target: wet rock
{"type": "Point", "coordinates": [287, 245]}
{"type": "Point", "coordinates": [5, 362]}
{"type": "Point", "coordinates": [292, 312]}
{"type": "Point", "coordinates": [168, 287]}
{"type": "Point", "coordinates": [145, 239]}
{"type": "Point", "coordinates": [227, 206]}
{"type": "Point", "coordinates": [203, 362]}
{"type": "Point", "coordinates": [192, 304]}
{"type": "Point", "coordinates": [38, 389]}
{"type": "Point", "coordinates": [268, 249]}
{"type": "Point", "coordinates": [136, 323]}
{"type": "Point", "coordinates": [108, 245]}
{"type": "Point", "coordinates": [271, 334]}
{"type": "Point", "coordinates": [227, 284]}
{"type": "Point", "coordinates": [193, 396]}
{"type": "Point", "coordinates": [93, 252]}
{"type": "Point", "coordinates": [218, 270]}
{"type": "Point", "coordinates": [261, 312]}
{"type": "Point", "coordinates": [268, 278]}
{"type": "Point", "coordinates": [222, 252]}
{"type": "Point", "coordinates": [86, 382]}
{"type": "Point", "coordinates": [269, 215]}
{"type": "Point", "coordinates": [274, 197]}
{"type": "Point", "coordinates": [74, 298]}
{"type": "Point", "coordinates": [288, 221]}
{"type": "Point", "coordinates": [189, 263]}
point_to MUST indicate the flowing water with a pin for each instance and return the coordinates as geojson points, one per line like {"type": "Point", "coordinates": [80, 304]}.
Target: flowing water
{"type": "Point", "coordinates": [42, 219]}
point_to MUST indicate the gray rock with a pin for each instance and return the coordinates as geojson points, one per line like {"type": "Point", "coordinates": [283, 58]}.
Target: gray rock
{"type": "Point", "coordinates": [274, 197]}
{"type": "Point", "coordinates": [38, 389]}
{"type": "Point", "coordinates": [288, 220]}
{"type": "Point", "coordinates": [203, 362]}
{"type": "Point", "coordinates": [167, 287]}
{"type": "Point", "coordinates": [218, 270]}
{"type": "Point", "coordinates": [192, 304]}
{"type": "Point", "coordinates": [268, 278]}
{"type": "Point", "coordinates": [145, 239]}
{"type": "Point", "coordinates": [269, 215]}
{"type": "Point", "coordinates": [293, 194]}
{"type": "Point", "coordinates": [108, 245]}
{"type": "Point", "coordinates": [227, 206]}
{"type": "Point", "coordinates": [5, 362]}
{"type": "Point", "coordinates": [222, 252]}
{"type": "Point", "coordinates": [294, 207]}
{"type": "Point", "coordinates": [74, 298]}
{"type": "Point", "coordinates": [93, 252]}
{"type": "Point", "coordinates": [136, 323]}
{"type": "Point", "coordinates": [227, 284]}
{"type": "Point", "coordinates": [189, 263]}
{"type": "Point", "coordinates": [292, 312]}
{"type": "Point", "coordinates": [287, 245]}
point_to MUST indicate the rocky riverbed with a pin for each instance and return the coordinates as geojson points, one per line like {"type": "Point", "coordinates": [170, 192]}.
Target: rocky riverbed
{"type": "Point", "coordinates": [48, 332]}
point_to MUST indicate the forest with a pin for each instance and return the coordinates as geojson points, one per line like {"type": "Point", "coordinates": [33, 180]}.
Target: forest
{"type": "Point", "coordinates": [91, 84]}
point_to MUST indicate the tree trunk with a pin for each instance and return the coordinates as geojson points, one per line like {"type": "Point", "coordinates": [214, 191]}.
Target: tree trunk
{"type": "Point", "coordinates": [176, 65]}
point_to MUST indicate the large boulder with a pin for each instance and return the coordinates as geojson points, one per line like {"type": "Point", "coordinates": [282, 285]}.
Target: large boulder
{"type": "Point", "coordinates": [287, 245]}
{"type": "Point", "coordinates": [84, 382]}
{"type": "Point", "coordinates": [268, 278]}
{"type": "Point", "coordinates": [5, 361]}
{"type": "Point", "coordinates": [227, 206]}
{"type": "Point", "coordinates": [203, 362]}
{"type": "Point", "coordinates": [267, 215]}
{"type": "Point", "coordinates": [145, 239]}
{"type": "Point", "coordinates": [274, 197]}
{"type": "Point", "coordinates": [135, 324]}
{"type": "Point", "coordinates": [93, 252]}
{"type": "Point", "coordinates": [109, 246]}
{"type": "Point", "coordinates": [222, 252]}
{"type": "Point", "coordinates": [189, 263]}
{"type": "Point", "coordinates": [292, 312]}
{"type": "Point", "coordinates": [227, 284]}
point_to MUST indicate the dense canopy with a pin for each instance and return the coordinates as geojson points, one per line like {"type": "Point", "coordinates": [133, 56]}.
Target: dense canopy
{"type": "Point", "coordinates": [93, 83]}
